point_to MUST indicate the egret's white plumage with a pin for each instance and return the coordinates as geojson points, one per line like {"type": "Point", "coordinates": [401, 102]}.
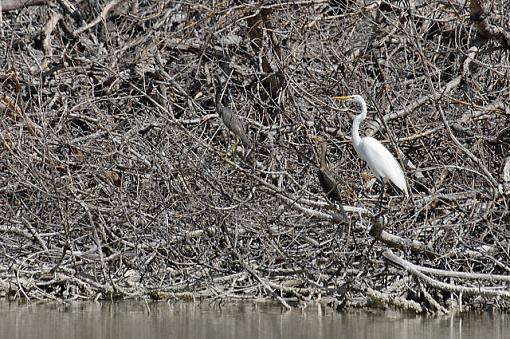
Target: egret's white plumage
{"type": "Point", "coordinates": [382, 163]}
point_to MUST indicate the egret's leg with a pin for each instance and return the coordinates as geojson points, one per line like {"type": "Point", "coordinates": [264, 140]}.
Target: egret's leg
{"type": "Point", "coordinates": [380, 196]}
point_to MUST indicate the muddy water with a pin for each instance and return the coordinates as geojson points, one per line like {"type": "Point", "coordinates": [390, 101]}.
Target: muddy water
{"type": "Point", "coordinates": [245, 321]}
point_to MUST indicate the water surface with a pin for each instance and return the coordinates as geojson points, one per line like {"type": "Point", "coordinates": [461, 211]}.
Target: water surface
{"type": "Point", "coordinates": [130, 319]}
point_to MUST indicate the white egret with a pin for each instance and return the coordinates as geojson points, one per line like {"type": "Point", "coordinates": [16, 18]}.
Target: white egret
{"type": "Point", "coordinates": [382, 163]}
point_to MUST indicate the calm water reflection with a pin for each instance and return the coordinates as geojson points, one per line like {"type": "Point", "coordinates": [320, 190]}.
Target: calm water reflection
{"type": "Point", "coordinates": [246, 321]}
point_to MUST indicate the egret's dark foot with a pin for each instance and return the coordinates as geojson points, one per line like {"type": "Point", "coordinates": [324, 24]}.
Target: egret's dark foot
{"type": "Point", "coordinates": [378, 225]}
{"type": "Point", "coordinates": [380, 213]}
{"type": "Point", "coordinates": [377, 210]}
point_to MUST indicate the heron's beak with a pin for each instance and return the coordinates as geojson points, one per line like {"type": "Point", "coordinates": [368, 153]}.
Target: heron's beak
{"type": "Point", "coordinates": [343, 98]}
{"type": "Point", "coordinates": [316, 138]}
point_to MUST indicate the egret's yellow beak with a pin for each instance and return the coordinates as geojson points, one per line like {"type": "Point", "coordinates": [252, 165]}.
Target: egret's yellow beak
{"type": "Point", "coordinates": [343, 98]}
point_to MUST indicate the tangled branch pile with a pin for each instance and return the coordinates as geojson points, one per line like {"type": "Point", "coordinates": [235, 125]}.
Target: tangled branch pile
{"type": "Point", "coordinates": [118, 178]}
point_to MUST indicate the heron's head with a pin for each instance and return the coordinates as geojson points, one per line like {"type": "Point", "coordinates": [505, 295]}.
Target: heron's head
{"type": "Point", "coordinates": [317, 138]}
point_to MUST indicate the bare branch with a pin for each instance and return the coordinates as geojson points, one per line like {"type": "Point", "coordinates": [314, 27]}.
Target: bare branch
{"type": "Point", "coordinates": [12, 5]}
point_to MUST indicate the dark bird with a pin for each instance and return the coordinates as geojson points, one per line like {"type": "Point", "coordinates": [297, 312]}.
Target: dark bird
{"type": "Point", "coordinates": [230, 119]}
{"type": "Point", "coordinates": [329, 180]}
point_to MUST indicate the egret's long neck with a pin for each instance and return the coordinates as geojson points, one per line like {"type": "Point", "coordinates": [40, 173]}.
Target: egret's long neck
{"type": "Point", "coordinates": [358, 119]}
